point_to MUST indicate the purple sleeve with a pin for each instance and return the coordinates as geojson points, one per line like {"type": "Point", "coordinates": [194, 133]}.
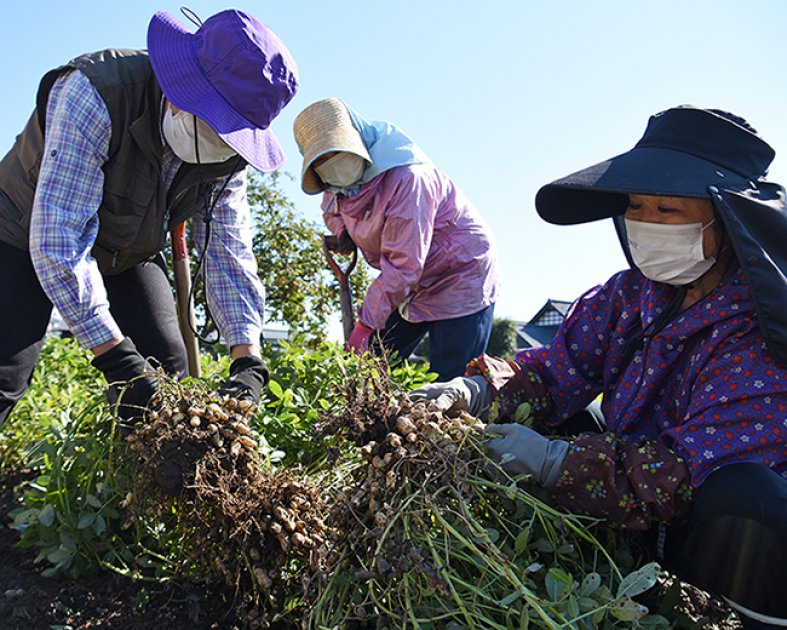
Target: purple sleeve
{"type": "Point", "coordinates": [738, 408]}
{"type": "Point", "coordinates": [404, 245]}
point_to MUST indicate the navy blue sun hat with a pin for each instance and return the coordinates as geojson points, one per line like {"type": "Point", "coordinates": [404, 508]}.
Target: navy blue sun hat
{"type": "Point", "coordinates": [705, 153]}
{"type": "Point", "coordinates": [684, 151]}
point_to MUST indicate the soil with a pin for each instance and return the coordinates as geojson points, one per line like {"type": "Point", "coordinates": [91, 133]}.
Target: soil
{"type": "Point", "coordinates": [29, 601]}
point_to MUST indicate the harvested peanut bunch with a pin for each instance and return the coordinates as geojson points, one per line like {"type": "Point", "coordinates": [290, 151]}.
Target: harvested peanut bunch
{"type": "Point", "coordinates": [243, 523]}
{"type": "Point", "coordinates": [381, 522]}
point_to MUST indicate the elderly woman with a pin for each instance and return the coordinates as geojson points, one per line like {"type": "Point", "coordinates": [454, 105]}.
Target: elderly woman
{"type": "Point", "coordinates": [435, 253]}
{"type": "Point", "coordinates": [688, 348]}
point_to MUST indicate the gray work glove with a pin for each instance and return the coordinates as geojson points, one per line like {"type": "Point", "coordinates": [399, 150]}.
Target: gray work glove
{"type": "Point", "coordinates": [531, 453]}
{"type": "Point", "coordinates": [471, 394]}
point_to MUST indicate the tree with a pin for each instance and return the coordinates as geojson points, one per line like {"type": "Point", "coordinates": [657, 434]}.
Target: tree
{"type": "Point", "coordinates": [502, 338]}
{"type": "Point", "coordinates": [301, 291]}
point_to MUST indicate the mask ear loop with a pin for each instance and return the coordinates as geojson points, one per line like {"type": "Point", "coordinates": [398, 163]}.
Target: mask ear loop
{"type": "Point", "coordinates": [209, 205]}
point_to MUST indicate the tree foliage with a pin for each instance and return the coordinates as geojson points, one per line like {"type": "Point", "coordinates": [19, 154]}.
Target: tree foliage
{"type": "Point", "coordinates": [502, 338]}
{"type": "Point", "coordinates": [301, 291]}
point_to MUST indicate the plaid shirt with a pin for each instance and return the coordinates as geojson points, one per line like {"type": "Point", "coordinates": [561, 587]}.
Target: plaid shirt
{"type": "Point", "coordinates": [64, 224]}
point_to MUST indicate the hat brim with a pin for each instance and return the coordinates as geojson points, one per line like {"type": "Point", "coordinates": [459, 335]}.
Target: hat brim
{"type": "Point", "coordinates": [601, 190]}
{"type": "Point", "coordinates": [185, 85]}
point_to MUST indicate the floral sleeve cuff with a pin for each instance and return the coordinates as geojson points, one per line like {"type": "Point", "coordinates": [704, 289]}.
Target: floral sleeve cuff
{"type": "Point", "coordinates": [496, 371]}
{"type": "Point", "coordinates": [629, 485]}
{"type": "Point", "coordinates": [519, 393]}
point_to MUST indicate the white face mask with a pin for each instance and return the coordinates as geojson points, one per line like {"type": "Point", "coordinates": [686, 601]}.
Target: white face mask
{"type": "Point", "coordinates": [179, 133]}
{"type": "Point", "coordinates": [341, 170]}
{"type": "Point", "coordinates": [668, 253]}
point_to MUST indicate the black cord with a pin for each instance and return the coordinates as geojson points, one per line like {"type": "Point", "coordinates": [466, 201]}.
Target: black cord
{"type": "Point", "coordinates": [641, 341]}
{"type": "Point", "coordinates": [209, 205]}
{"type": "Point", "coordinates": [638, 341]}
{"type": "Point", "coordinates": [191, 16]}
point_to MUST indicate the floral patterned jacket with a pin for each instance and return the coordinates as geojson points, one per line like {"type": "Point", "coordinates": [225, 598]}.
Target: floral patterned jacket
{"type": "Point", "coordinates": [700, 394]}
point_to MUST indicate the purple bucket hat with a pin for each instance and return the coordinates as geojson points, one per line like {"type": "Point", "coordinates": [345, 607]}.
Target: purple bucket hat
{"type": "Point", "coordinates": [234, 73]}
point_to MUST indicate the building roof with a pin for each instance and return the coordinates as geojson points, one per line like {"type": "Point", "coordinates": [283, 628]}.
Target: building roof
{"type": "Point", "coordinates": [552, 307]}
{"type": "Point", "coordinates": [543, 325]}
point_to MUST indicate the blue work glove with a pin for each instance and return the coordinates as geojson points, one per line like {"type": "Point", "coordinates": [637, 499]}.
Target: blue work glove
{"type": "Point", "coordinates": [248, 375]}
{"type": "Point", "coordinates": [131, 379]}
{"type": "Point", "coordinates": [530, 452]}
{"type": "Point", "coordinates": [471, 394]}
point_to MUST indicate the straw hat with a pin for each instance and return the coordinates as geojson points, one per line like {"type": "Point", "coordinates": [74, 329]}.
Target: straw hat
{"type": "Point", "coordinates": [323, 127]}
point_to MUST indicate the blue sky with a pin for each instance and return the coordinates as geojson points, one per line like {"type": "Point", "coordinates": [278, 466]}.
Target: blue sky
{"type": "Point", "coordinates": [504, 96]}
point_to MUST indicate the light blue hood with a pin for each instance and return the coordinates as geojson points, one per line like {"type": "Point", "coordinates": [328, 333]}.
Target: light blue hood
{"type": "Point", "coordinates": [388, 146]}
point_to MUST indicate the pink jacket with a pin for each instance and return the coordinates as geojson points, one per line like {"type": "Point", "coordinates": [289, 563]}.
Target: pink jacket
{"type": "Point", "coordinates": [435, 252]}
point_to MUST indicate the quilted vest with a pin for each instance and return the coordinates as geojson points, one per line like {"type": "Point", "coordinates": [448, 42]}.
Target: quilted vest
{"type": "Point", "coordinates": [136, 211]}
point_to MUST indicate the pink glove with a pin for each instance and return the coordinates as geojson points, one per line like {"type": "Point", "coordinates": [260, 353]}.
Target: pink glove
{"type": "Point", "coordinates": [359, 339]}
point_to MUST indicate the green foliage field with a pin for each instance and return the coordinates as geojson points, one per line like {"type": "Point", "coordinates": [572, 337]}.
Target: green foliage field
{"type": "Point", "coordinates": [61, 433]}
{"type": "Point", "coordinates": [72, 509]}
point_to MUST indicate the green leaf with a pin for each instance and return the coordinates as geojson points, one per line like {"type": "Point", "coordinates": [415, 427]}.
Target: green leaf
{"type": "Point", "coordinates": [628, 610]}
{"type": "Point", "coordinates": [47, 516]}
{"type": "Point", "coordinates": [590, 584]}
{"type": "Point", "coordinates": [100, 526]}
{"type": "Point", "coordinates": [86, 520]}
{"type": "Point", "coordinates": [93, 500]}
{"type": "Point", "coordinates": [509, 599]}
{"type": "Point", "coordinates": [586, 604]}
{"type": "Point", "coordinates": [67, 542]}
{"type": "Point", "coordinates": [602, 594]}
{"type": "Point", "coordinates": [520, 545]}
{"type": "Point", "coordinates": [275, 388]}
{"type": "Point", "coordinates": [654, 621]}
{"type": "Point", "coordinates": [24, 518]}
{"type": "Point", "coordinates": [639, 581]}
{"type": "Point", "coordinates": [58, 555]}
{"type": "Point", "coordinates": [522, 412]}
{"type": "Point", "coordinates": [558, 583]}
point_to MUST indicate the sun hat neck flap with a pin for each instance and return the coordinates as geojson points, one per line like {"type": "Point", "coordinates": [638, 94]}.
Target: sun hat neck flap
{"type": "Point", "coordinates": [683, 151]}
{"type": "Point", "coordinates": [331, 125]}
{"type": "Point", "coordinates": [388, 146]}
{"type": "Point", "coordinates": [233, 72]}
{"type": "Point", "coordinates": [755, 219]}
